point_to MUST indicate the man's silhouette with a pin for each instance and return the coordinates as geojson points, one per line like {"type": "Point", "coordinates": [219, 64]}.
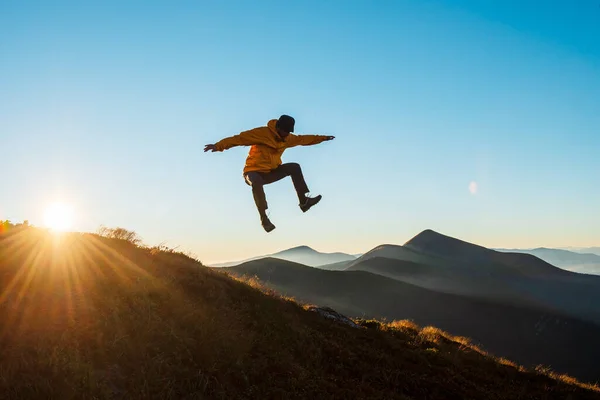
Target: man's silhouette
{"type": "Point", "coordinates": [263, 164]}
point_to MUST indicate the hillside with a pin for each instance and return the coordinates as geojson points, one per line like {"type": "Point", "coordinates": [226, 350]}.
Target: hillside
{"type": "Point", "coordinates": [472, 282]}
{"type": "Point", "coordinates": [90, 317]}
{"type": "Point", "coordinates": [525, 335]}
{"type": "Point", "coordinates": [301, 254]}
{"type": "Point", "coordinates": [338, 266]}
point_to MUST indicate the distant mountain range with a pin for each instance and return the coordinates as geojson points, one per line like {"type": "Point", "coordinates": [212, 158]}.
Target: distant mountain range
{"type": "Point", "coordinates": [582, 260]}
{"type": "Point", "coordinates": [592, 250]}
{"type": "Point", "coordinates": [578, 261]}
{"type": "Point", "coordinates": [303, 255]}
{"type": "Point", "coordinates": [513, 303]}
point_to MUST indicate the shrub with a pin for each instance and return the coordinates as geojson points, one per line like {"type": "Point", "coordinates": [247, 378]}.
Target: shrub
{"type": "Point", "coordinates": [120, 233]}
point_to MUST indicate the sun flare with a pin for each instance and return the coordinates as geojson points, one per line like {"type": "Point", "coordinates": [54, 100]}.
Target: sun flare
{"type": "Point", "coordinates": [58, 217]}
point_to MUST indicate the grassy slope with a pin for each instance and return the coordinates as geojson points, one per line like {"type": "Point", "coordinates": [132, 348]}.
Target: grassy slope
{"type": "Point", "coordinates": [529, 336]}
{"type": "Point", "coordinates": [90, 317]}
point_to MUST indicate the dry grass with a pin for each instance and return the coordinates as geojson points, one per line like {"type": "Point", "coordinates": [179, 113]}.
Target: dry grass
{"type": "Point", "coordinates": [434, 336]}
{"type": "Point", "coordinates": [91, 317]}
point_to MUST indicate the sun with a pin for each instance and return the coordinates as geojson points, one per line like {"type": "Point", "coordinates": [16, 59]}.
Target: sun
{"type": "Point", "coordinates": [58, 217]}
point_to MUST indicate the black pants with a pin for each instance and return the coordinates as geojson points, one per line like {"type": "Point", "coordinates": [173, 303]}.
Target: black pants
{"type": "Point", "coordinates": [258, 179]}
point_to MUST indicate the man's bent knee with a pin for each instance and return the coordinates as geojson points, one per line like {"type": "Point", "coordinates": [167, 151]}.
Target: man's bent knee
{"type": "Point", "coordinates": [253, 179]}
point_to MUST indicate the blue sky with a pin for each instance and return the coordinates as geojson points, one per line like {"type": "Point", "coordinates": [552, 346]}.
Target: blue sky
{"type": "Point", "coordinates": [107, 106]}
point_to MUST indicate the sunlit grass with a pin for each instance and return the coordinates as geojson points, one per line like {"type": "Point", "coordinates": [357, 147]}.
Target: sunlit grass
{"type": "Point", "coordinates": [56, 275]}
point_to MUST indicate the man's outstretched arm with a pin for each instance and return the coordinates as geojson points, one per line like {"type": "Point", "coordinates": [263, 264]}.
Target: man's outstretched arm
{"type": "Point", "coordinates": [246, 138]}
{"type": "Point", "coordinates": [307, 140]}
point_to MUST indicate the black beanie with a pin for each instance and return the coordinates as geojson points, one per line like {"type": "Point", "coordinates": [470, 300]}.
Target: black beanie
{"type": "Point", "coordinates": [286, 123]}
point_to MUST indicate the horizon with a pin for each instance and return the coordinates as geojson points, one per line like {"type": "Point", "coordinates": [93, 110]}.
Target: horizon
{"type": "Point", "coordinates": [320, 250]}
{"type": "Point", "coordinates": [474, 120]}
{"type": "Point", "coordinates": [354, 253]}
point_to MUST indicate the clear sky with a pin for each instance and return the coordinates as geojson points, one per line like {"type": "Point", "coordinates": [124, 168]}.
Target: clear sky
{"type": "Point", "coordinates": [478, 119]}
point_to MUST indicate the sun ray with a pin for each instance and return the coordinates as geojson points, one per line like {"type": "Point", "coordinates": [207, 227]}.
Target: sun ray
{"type": "Point", "coordinates": [18, 286]}
{"type": "Point", "coordinates": [70, 284]}
{"type": "Point", "coordinates": [125, 262]}
{"type": "Point", "coordinates": [94, 246]}
{"type": "Point", "coordinates": [25, 269]}
{"type": "Point", "coordinates": [86, 253]}
{"type": "Point", "coordinates": [17, 244]}
{"type": "Point", "coordinates": [45, 285]}
{"type": "Point", "coordinates": [77, 275]}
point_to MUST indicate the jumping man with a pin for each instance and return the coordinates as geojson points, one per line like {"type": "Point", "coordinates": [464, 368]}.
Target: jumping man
{"type": "Point", "coordinates": [263, 164]}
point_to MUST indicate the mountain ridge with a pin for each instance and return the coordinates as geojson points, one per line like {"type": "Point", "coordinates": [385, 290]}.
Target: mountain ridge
{"type": "Point", "coordinates": [565, 259]}
{"type": "Point", "coordinates": [511, 277]}
{"type": "Point", "coordinates": [302, 253]}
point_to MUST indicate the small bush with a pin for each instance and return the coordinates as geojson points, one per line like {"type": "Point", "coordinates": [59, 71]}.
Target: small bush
{"type": "Point", "coordinates": [164, 249]}
{"type": "Point", "coordinates": [369, 323]}
{"type": "Point", "coordinates": [121, 234]}
{"type": "Point", "coordinates": [8, 226]}
{"type": "Point", "coordinates": [404, 325]}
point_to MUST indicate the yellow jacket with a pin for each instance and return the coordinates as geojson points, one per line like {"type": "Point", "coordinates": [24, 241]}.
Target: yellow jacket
{"type": "Point", "coordinates": [266, 146]}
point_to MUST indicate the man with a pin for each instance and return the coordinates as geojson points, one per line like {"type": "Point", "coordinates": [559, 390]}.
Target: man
{"type": "Point", "coordinates": [263, 164]}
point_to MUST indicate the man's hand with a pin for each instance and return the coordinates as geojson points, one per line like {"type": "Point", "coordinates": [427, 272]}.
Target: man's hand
{"type": "Point", "coordinates": [210, 147]}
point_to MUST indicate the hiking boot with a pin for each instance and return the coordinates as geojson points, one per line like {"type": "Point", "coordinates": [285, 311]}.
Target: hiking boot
{"type": "Point", "coordinates": [267, 224]}
{"type": "Point", "coordinates": [310, 201]}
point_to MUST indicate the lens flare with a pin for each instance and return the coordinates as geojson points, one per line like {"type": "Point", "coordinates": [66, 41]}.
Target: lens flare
{"type": "Point", "coordinates": [473, 187]}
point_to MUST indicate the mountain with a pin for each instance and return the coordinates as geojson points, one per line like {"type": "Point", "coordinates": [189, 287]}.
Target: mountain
{"type": "Point", "coordinates": [458, 267]}
{"type": "Point", "coordinates": [435, 249]}
{"type": "Point", "coordinates": [85, 316]}
{"type": "Point", "coordinates": [308, 256]}
{"type": "Point", "coordinates": [592, 250]}
{"type": "Point", "coordinates": [558, 257]}
{"type": "Point", "coordinates": [449, 248]}
{"type": "Point", "coordinates": [398, 253]}
{"type": "Point", "coordinates": [528, 335]}
{"type": "Point", "coordinates": [565, 259]}
{"type": "Point", "coordinates": [300, 254]}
